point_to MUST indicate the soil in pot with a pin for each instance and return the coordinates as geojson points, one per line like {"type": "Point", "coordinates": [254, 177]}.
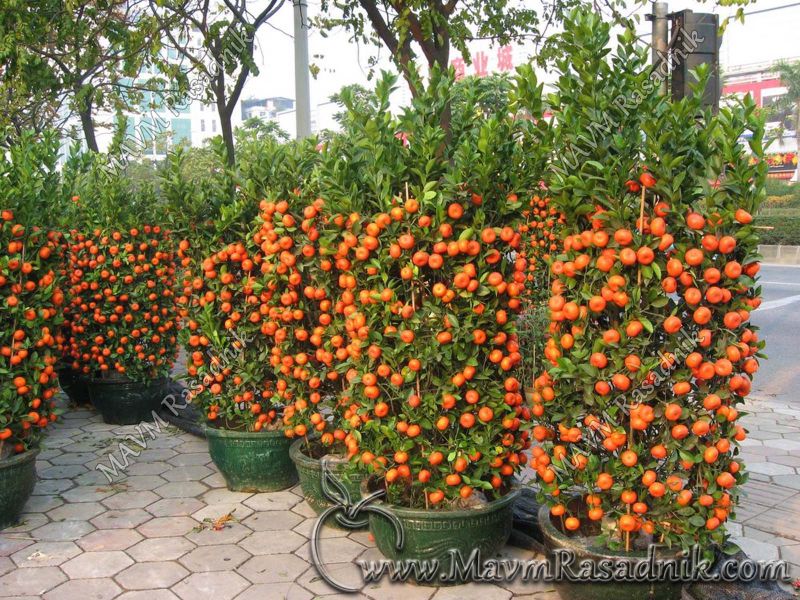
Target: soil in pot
{"type": "Point", "coordinates": [252, 461]}
{"type": "Point", "coordinates": [17, 478]}
{"type": "Point", "coordinates": [124, 402]}
{"type": "Point", "coordinates": [585, 548]}
{"type": "Point", "coordinates": [307, 456]}
{"type": "Point", "coordinates": [436, 534]}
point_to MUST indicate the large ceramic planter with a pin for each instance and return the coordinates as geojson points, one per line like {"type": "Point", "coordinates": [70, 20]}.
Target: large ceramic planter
{"type": "Point", "coordinates": [434, 534]}
{"type": "Point", "coordinates": [17, 478]}
{"type": "Point", "coordinates": [584, 549]}
{"type": "Point", "coordinates": [309, 471]}
{"type": "Point", "coordinates": [126, 402]}
{"type": "Point", "coordinates": [75, 385]}
{"type": "Point", "coordinates": [252, 461]}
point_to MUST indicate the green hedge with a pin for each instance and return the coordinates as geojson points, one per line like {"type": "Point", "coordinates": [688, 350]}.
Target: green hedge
{"type": "Point", "coordinates": [786, 230]}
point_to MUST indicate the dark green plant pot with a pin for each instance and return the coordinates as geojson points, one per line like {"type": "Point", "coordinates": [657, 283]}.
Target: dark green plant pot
{"type": "Point", "coordinates": [126, 402]}
{"type": "Point", "coordinates": [17, 478]}
{"type": "Point", "coordinates": [75, 385]}
{"type": "Point", "coordinates": [310, 473]}
{"type": "Point", "coordinates": [434, 534]}
{"type": "Point", "coordinates": [252, 461]}
{"type": "Point", "coordinates": [584, 549]}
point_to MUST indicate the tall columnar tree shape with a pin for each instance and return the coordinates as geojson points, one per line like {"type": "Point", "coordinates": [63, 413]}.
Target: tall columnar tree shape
{"type": "Point", "coordinates": [651, 350]}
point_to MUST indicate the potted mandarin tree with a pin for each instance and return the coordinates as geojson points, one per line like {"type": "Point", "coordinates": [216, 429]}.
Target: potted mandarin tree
{"type": "Point", "coordinates": [124, 318]}
{"type": "Point", "coordinates": [31, 301]}
{"type": "Point", "coordinates": [651, 353]}
{"type": "Point", "coordinates": [429, 300]}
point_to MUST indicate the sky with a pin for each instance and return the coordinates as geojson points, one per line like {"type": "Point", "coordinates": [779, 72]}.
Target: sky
{"type": "Point", "coordinates": [763, 37]}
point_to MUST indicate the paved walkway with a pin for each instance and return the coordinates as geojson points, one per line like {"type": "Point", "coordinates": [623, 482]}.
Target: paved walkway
{"type": "Point", "coordinates": [149, 535]}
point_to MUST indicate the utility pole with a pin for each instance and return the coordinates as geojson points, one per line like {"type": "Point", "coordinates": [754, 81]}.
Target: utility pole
{"type": "Point", "coordinates": [660, 44]}
{"type": "Point", "coordinates": [301, 69]}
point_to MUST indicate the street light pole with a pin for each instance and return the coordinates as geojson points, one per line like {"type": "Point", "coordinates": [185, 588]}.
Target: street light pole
{"type": "Point", "coordinates": [301, 69]}
{"type": "Point", "coordinates": [660, 43]}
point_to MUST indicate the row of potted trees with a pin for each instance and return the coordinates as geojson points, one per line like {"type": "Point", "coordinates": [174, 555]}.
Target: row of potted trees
{"type": "Point", "coordinates": [368, 314]}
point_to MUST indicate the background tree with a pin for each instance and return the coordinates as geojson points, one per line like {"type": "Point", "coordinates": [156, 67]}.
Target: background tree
{"type": "Point", "coordinates": [411, 29]}
{"type": "Point", "coordinates": [63, 58]}
{"type": "Point", "coordinates": [217, 40]}
{"type": "Point", "coordinates": [790, 102]}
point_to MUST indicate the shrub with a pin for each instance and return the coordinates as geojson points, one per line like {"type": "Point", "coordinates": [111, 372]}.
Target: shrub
{"type": "Point", "coordinates": [30, 293]}
{"type": "Point", "coordinates": [785, 230]}
{"type": "Point", "coordinates": [651, 351]}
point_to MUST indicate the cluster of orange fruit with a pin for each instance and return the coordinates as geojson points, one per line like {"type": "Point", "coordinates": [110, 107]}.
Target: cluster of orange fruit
{"type": "Point", "coordinates": [391, 336]}
{"type": "Point", "coordinates": [31, 300]}
{"type": "Point", "coordinates": [650, 338]}
{"type": "Point", "coordinates": [123, 315]}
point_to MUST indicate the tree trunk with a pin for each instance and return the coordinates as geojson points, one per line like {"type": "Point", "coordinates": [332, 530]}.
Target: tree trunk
{"type": "Point", "coordinates": [227, 137]}
{"type": "Point", "coordinates": [88, 126]}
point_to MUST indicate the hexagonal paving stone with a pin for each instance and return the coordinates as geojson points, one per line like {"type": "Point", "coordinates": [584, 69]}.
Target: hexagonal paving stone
{"type": "Point", "coordinates": [149, 595]}
{"type": "Point", "coordinates": [304, 510]}
{"type": "Point", "coordinates": [268, 542]}
{"type": "Point", "coordinates": [305, 527]}
{"type": "Point", "coordinates": [28, 522]}
{"type": "Point", "coordinates": [153, 576]}
{"type": "Point", "coordinates": [215, 511]}
{"type": "Point", "coordinates": [125, 500]}
{"type": "Point", "coordinates": [195, 473]}
{"type": "Point", "coordinates": [232, 533]}
{"type": "Point", "coordinates": [50, 487]}
{"type": "Point", "coordinates": [121, 519]}
{"type": "Point", "coordinates": [215, 480]}
{"type": "Point", "coordinates": [73, 458]}
{"type": "Point", "coordinates": [472, 591]}
{"type": "Point", "coordinates": [333, 550]}
{"type": "Point", "coordinates": [45, 554]}
{"type": "Point", "coordinates": [224, 496]}
{"type": "Point", "coordinates": [40, 504]}
{"type": "Point", "coordinates": [148, 468]}
{"type": "Point", "coordinates": [160, 549]}
{"type": "Point", "coordinates": [85, 589]}
{"type": "Point", "coordinates": [88, 493]}
{"type": "Point", "coordinates": [220, 586]}
{"type": "Point", "coordinates": [174, 507]}
{"type": "Point", "coordinates": [96, 478]}
{"type": "Point", "coordinates": [272, 520]}
{"type": "Point", "coordinates": [286, 591]}
{"type": "Point", "coordinates": [62, 472]}
{"type": "Point", "coordinates": [10, 545]}
{"type": "Point", "coordinates": [181, 489]}
{"type": "Point", "coordinates": [386, 590]}
{"type": "Point", "coordinates": [156, 454]}
{"type": "Point", "coordinates": [190, 460]}
{"type": "Point", "coordinates": [191, 446]}
{"type": "Point", "coordinates": [62, 531]}
{"type": "Point", "coordinates": [34, 582]}
{"type": "Point", "coordinates": [273, 501]}
{"type": "Point", "coordinates": [6, 565]}
{"type": "Point", "coordinates": [167, 527]}
{"type": "Point", "coordinates": [767, 468]}
{"type": "Point", "coordinates": [273, 568]}
{"type": "Point", "coordinates": [97, 564]}
{"type": "Point", "coordinates": [109, 539]}
{"type": "Point", "coordinates": [346, 573]}
{"type": "Point", "coordinates": [143, 483]}
{"type": "Point", "coordinates": [214, 558]}
{"type": "Point", "coordinates": [81, 511]}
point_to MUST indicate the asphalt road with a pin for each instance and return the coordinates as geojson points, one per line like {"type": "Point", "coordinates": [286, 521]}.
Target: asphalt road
{"type": "Point", "coordinates": [778, 318]}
